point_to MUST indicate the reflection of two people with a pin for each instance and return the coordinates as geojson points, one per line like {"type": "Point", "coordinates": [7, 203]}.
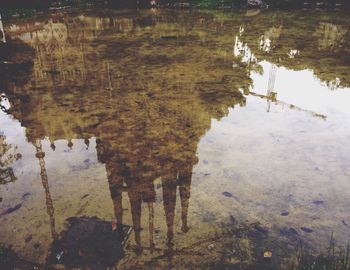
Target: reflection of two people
{"type": "Point", "coordinates": [142, 190]}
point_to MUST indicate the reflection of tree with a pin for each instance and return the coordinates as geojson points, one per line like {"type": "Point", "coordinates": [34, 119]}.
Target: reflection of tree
{"type": "Point", "coordinates": [148, 103]}
{"type": "Point", "coordinates": [45, 182]}
{"type": "Point", "coordinates": [154, 84]}
{"type": "Point", "coordinates": [330, 36]}
{"type": "Point", "coordinates": [8, 155]}
{"type": "Point", "coordinates": [303, 41]}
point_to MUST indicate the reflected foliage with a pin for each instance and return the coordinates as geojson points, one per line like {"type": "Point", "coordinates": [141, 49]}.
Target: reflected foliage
{"type": "Point", "coordinates": [300, 40]}
{"type": "Point", "coordinates": [145, 85]}
{"type": "Point", "coordinates": [16, 63]}
{"type": "Point", "coordinates": [8, 155]}
{"type": "Point", "coordinates": [44, 5]}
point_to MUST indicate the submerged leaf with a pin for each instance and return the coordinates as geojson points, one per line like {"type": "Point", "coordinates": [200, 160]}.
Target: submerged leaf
{"type": "Point", "coordinates": [267, 254]}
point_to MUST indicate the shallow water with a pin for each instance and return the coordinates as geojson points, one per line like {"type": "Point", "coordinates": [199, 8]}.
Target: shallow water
{"type": "Point", "coordinates": [184, 125]}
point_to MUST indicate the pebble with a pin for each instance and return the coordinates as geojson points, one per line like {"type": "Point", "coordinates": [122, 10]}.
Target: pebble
{"type": "Point", "coordinates": [317, 202]}
{"type": "Point", "coordinates": [290, 233]}
{"type": "Point", "coordinates": [227, 194]}
{"type": "Point", "coordinates": [292, 230]}
{"type": "Point", "coordinates": [11, 210]}
{"type": "Point", "coordinates": [286, 213]}
{"type": "Point", "coordinates": [84, 196]}
{"type": "Point", "coordinates": [169, 37]}
{"type": "Point", "coordinates": [28, 239]}
{"type": "Point", "coordinates": [232, 219]}
{"type": "Point", "coordinates": [307, 230]}
{"type": "Point", "coordinates": [25, 195]}
{"type": "Point", "coordinates": [261, 229]}
{"type": "Point", "coordinates": [267, 254]}
{"type": "Point", "coordinates": [211, 246]}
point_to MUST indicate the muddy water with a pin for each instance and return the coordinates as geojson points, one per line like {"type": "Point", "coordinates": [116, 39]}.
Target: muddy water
{"type": "Point", "coordinates": [217, 136]}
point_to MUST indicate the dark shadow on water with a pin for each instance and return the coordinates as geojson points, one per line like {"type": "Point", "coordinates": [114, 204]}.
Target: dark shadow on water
{"type": "Point", "coordinates": [89, 242]}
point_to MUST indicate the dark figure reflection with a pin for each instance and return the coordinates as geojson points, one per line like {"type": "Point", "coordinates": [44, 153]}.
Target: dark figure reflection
{"type": "Point", "coordinates": [143, 191]}
{"type": "Point", "coordinates": [169, 185]}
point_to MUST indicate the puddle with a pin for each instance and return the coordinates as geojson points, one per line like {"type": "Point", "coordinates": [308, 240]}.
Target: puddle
{"type": "Point", "coordinates": [218, 137]}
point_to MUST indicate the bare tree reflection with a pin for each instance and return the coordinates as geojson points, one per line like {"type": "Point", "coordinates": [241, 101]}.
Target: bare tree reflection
{"type": "Point", "coordinates": [45, 182]}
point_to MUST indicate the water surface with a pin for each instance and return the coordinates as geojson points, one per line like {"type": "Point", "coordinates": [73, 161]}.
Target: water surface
{"type": "Point", "coordinates": [216, 135]}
